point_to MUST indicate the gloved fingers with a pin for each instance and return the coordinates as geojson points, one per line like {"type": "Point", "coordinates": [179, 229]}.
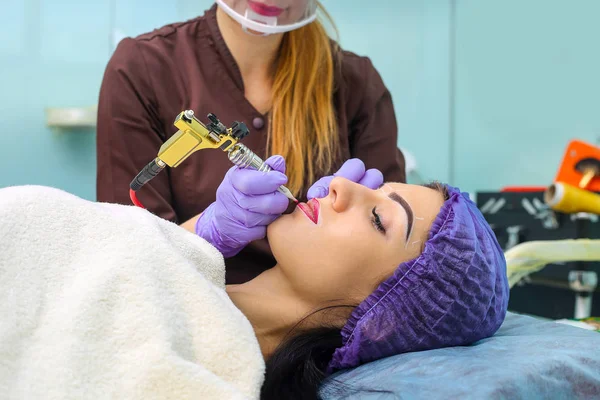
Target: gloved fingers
{"type": "Point", "coordinates": [320, 188]}
{"type": "Point", "coordinates": [250, 235]}
{"type": "Point", "coordinates": [353, 170]}
{"type": "Point", "coordinates": [252, 182]}
{"type": "Point", "coordinates": [277, 163]}
{"type": "Point", "coordinates": [247, 201]}
{"type": "Point", "coordinates": [248, 219]}
{"type": "Point", "coordinates": [373, 179]}
{"type": "Point", "coordinates": [203, 221]}
{"type": "Point", "coordinates": [268, 204]}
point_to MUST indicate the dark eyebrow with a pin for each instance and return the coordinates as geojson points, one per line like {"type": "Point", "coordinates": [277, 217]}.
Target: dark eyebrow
{"type": "Point", "coordinates": [409, 213]}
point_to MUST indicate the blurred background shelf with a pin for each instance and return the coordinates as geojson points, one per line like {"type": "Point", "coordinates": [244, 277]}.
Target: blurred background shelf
{"type": "Point", "coordinates": [71, 117]}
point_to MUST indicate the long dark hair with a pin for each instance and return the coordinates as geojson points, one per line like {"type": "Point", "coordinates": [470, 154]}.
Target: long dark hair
{"type": "Point", "coordinates": [297, 368]}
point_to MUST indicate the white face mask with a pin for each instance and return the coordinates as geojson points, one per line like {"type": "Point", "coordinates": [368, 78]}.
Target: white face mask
{"type": "Point", "coordinates": [258, 16]}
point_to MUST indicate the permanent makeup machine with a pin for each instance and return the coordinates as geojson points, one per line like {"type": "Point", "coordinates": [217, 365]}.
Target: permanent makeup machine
{"type": "Point", "coordinates": [553, 233]}
{"type": "Point", "coordinates": [192, 135]}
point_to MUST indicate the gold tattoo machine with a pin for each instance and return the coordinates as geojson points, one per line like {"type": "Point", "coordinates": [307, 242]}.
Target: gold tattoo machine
{"type": "Point", "coordinates": [193, 135]}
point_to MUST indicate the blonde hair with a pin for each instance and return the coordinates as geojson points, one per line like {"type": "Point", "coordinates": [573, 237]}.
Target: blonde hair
{"type": "Point", "coordinates": [303, 124]}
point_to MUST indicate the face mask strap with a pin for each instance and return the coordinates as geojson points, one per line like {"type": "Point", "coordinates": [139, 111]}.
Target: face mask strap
{"type": "Point", "coordinates": [253, 33]}
{"type": "Point", "coordinates": [266, 28]}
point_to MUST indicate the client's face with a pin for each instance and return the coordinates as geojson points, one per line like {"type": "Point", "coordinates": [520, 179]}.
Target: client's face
{"type": "Point", "coordinates": [341, 247]}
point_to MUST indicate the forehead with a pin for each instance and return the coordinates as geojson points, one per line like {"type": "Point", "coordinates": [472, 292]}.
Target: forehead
{"type": "Point", "coordinates": [425, 202]}
{"type": "Point", "coordinates": [409, 191]}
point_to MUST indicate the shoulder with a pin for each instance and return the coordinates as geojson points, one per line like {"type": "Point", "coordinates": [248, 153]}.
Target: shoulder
{"type": "Point", "coordinates": [169, 31]}
{"type": "Point", "coordinates": [359, 86]}
{"type": "Point", "coordinates": [160, 44]}
{"type": "Point", "coordinates": [358, 73]}
{"type": "Point", "coordinates": [169, 35]}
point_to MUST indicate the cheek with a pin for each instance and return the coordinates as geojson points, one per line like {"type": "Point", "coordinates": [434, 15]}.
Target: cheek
{"type": "Point", "coordinates": [297, 10]}
{"type": "Point", "coordinates": [238, 5]}
{"type": "Point", "coordinates": [359, 261]}
{"type": "Point", "coordinates": [288, 236]}
{"type": "Point", "coordinates": [341, 262]}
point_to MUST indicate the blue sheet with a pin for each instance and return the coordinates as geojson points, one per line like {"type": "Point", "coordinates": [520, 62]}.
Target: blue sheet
{"type": "Point", "coordinates": [526, 359]}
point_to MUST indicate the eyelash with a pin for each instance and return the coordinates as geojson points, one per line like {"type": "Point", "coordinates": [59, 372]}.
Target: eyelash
{"type": "Point", "coordinates": [377, 221]}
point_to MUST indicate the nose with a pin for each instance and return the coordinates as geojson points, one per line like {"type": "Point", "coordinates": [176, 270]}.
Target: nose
{"type": "Point", "coordinates": [344, 193]}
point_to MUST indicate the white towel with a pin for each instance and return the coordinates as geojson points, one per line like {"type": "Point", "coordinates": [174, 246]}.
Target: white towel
{"type": "Point", "coordinates": [104, 301]}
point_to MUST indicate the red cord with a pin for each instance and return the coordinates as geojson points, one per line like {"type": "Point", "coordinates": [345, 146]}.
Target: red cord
{"type": "Point", "coordinates": [134, 199]}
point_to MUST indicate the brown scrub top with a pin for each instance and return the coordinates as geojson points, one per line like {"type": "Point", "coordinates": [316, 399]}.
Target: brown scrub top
{"type": "Point", "coordinates": [150, 79]}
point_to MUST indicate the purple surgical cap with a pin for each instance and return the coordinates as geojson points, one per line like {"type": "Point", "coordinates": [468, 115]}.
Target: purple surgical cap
{"type": "Point", "coordinates": [454, 294]}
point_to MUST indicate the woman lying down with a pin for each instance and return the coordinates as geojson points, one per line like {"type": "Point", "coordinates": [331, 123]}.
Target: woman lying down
{"type": "Point", "coordinates": [108, 301]}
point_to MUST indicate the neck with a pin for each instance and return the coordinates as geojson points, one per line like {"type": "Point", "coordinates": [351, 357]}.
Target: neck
{"type": "Point", "coordinates": [271, 306]}
{"type": "Point", "coordinates": [256, 56]}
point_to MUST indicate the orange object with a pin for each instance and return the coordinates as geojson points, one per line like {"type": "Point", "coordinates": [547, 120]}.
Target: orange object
{"type": "Point", "coordinates": [580, 166]}
{"type": "Point", "coordinates": [522, 189]}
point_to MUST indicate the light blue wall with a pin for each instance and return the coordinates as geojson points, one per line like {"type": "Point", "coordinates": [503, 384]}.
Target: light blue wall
{"type": "Point", "coordinates": [486, 93]}
{"type": "Point", "coordinates": [527, 78]}
{"type": "Point", "coordinates": [52, 54]}
{"type": "Point", "coordinates": [409, 44]}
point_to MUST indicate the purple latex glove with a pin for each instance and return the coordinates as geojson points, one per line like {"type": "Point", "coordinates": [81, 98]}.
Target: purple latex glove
{"type": "Point", "coordinates": [247, 201]}
{"type": "Point", "coordinates": [353, 170]}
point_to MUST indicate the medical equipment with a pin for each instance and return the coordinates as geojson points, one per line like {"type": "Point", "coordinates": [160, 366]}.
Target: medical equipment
{"type": "Point", "coordinates": [580, 166]}
{"type": "Point", "coordinates": [575, 183]}
{"type": "Point", "coordinates": [564, 211]}
{"type": "Point", "coordinates": [269, 19]}
{"type": "Point", "coordinates": [193, 135]}
{"type": "Point", "coordinates": [530, 257]}
{"type": "Point", "coordinates": [546, 283]}
{"type": "Point", "coordinates": [570, 199]}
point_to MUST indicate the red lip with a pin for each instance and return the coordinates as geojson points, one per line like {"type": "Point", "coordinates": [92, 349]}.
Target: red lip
{"type": "Point", "coordinates": [311, 209]}
{"type": "Point", "coordinates": [265, 10]}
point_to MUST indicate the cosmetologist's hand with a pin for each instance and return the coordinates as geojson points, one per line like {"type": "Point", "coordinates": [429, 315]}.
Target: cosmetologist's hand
{"type": "Point", "coordinates": [353, 170]}
{"type": "Point", "coordinates": [247, 201]}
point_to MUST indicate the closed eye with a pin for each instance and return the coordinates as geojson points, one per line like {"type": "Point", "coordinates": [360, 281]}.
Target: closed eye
{"type": "Point", "coordinates": [376, 220]}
